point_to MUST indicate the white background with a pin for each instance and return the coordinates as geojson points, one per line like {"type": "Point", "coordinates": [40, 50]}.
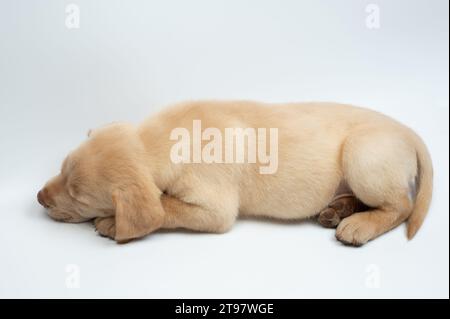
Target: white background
{"type": "Point", "coordinates": [129, 59]}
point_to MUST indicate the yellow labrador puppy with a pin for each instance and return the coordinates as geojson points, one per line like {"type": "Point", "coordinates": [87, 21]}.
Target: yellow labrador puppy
{"type": "Point", "coordinates": [180, 169]}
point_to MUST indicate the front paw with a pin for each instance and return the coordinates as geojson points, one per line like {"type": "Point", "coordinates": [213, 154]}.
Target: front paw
{"type": "Point", "coordinates": [106, 226]}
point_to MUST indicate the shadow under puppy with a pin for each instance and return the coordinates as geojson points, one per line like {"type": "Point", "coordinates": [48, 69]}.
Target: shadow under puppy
{"type": "Point", "coordinates": [356, 169]}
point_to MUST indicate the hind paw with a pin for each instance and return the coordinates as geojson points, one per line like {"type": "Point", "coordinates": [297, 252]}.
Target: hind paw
{"type": "Point", "coordinates": [341, 207]}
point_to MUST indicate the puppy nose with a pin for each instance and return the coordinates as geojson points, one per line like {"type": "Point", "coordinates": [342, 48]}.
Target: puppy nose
{"type": "Point", "coordinates": [41, 198]}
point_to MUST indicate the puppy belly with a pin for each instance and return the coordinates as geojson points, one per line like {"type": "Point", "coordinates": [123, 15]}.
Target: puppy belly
{"type": "Point", "coordinates": [285, 206]}
{"type": "Point", "coordinates": [291, 194]}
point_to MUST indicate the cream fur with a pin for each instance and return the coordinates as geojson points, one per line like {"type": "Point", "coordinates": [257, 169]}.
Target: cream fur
{"type": "Point", "coordinates": [123, 177]}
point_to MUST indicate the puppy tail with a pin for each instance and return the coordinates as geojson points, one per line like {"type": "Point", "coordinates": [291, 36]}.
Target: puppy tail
{"type": "Point", "coordinates": [424, 184]}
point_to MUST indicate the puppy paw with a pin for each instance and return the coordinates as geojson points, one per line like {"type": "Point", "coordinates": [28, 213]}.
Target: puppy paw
{"type": "Point", "coordinates": [355, 230]}
{"type": "Point", "coordinates": [344, 205]}
{"type": "Point", "coordinates": [329, 218]}
{"type": "Point", "coordinates": [105, 226]}
{"type": "Point", "coordinates": [341, 207]}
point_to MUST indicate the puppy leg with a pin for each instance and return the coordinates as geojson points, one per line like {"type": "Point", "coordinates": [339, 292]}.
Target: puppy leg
{"type": "Point", "coordinates": [380, 168]}
{"type": "Point", "coordinates": [359, 228]}
{"type": "Point", "coordinates": [180, 214]}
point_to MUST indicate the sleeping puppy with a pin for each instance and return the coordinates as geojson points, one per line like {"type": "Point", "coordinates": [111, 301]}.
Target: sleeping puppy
{"type": "Point", "coordinates": [356, 169]}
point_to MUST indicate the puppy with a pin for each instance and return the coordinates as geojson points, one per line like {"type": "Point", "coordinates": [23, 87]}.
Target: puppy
{"type": "Point", "coordinates": [359, 170]}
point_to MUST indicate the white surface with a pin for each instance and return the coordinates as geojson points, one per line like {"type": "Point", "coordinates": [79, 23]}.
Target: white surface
{"type": "Point", "coordinates": [130, 58]}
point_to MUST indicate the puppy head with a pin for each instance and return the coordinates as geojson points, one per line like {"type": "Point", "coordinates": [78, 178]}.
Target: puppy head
{"type": "Point", "coordinates": [106, 176]}
{"type": "Point", "coordinates": [60, 204]}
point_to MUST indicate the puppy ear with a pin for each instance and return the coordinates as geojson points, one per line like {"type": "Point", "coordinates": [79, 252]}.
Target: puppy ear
{"type": "Point", "coordinates": [138, 210]}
